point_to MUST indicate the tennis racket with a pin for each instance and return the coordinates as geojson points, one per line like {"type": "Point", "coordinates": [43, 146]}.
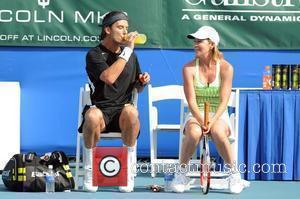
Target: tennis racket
{"type": "Point", "coordinates": [205, 157]}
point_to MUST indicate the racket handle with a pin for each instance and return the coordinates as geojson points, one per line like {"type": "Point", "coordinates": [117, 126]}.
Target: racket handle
{"type": "Point", "coordinates": [206, 113]}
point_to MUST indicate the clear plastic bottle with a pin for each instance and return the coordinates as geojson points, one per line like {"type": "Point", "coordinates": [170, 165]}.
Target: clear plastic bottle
{"type": "Point", "coordinates": [168, 180]}
{"type": "Point", "coordinates": [267, 78]}
{"type": "Point", "coordinates": [50, 180]}
{"type": "Point", "coordinates": [168, 177]}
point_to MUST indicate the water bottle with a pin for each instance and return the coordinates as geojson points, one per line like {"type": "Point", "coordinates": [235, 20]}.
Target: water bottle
{"type": "Point", "coordinates": [168, 177]}
{"type": "Point", "coordinates": [50, 180]}
{"type": "Point", "coordinates": [168, 180]}
{"type": "Point", "coordinates": [267, 78]}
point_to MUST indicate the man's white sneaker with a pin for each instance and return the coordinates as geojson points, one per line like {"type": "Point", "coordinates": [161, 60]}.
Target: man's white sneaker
{"type": "Point", "coordinates": [129, 187]}
{"type": "Point", "coordinates": [180, 183]}
{"type": "Point", "coordinates": [236, 184]}
{"type": "Point", "coordinates": [130, 172]}
{"type": "Point", "coordinates": [88, 181]}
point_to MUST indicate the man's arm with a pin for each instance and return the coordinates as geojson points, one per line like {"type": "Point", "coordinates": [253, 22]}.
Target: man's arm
{"type": "Point", "coordinates": [110, 75]}
{"type": "Point", "coordinates": [143, 80]}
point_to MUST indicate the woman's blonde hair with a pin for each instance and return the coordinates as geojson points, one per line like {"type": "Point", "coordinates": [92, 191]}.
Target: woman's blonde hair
{"type": "Point", "coordinates": [216, 54]}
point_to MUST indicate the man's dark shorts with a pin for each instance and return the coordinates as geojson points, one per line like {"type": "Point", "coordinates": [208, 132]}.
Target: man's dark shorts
{"type": "Point", "coordinates": [111, 117]}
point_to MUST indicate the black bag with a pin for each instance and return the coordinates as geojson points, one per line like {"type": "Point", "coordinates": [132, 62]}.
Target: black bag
{"type": "Point", "coordinates": [26, 172]}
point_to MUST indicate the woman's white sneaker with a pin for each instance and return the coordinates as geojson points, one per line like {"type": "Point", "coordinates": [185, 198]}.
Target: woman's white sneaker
{"type": "Point", "coordinates": [180, 183]}
{"type": "Point", "coordinates": [236, 184]}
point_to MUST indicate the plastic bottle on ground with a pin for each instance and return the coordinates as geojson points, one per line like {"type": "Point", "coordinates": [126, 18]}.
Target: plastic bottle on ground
{"type": "Point", "coordinates": [50, 180]}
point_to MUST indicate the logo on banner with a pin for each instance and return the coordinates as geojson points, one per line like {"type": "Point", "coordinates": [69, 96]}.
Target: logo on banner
{"type": "Point", "coordinates": [241, 10]}
{"type": "Point", "coordinates": [110, 166]}
{"type": "Point", "coordinates": [43, 3]}
{"type": "Point", "coordinates": [244, 3]}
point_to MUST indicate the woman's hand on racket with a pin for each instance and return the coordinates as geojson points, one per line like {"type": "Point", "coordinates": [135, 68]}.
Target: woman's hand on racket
{"type": "Point", "coordinates": [206, 128]}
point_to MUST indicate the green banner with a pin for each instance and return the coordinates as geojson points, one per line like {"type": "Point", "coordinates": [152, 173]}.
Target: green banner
{"type": "Point", "coordinates": [242, 24]}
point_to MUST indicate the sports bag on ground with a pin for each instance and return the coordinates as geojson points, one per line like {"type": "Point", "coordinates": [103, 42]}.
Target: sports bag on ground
{"type": "Point", "coordinates": [26, 172]}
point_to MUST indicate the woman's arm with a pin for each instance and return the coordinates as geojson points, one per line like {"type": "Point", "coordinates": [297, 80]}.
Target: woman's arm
{"type": "Point", "coordinates": [226, 73]}
{"type": "Point", "coordinates": [188, 86]}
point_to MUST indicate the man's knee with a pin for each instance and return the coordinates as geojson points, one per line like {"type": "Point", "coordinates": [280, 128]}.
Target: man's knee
{"type": "Point", "coordinates": [93, 116]}
{"type": "Point", "coordinates": [131, 113]}
{"type": "Point", "coordinates": [129, 119]}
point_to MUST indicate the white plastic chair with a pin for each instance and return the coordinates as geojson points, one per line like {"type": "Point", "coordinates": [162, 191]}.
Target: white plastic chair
{"type": "Point", "coordinates": [155, 94]}
{"type": "Point", "coordinates": [233, 138]}
{"type": "Point", "coordinates": [84, 99]}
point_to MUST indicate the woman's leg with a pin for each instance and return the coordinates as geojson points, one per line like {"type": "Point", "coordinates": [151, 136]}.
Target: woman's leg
{"type": "Point", "coordinates": [193, 134]}
{"type": "Point", "coordinates": [219, 133]}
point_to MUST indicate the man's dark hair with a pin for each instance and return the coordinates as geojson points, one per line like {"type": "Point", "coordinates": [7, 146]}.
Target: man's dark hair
{"type": "Point", "coordinates": [110, 19]}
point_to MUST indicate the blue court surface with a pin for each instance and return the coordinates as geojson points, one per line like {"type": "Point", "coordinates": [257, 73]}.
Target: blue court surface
{"type": "Point", "coordinates": [257, 189]}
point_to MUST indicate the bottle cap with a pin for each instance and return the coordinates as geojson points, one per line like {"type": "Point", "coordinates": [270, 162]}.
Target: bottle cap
{"type": "Point", "coordinates": [267, 67]}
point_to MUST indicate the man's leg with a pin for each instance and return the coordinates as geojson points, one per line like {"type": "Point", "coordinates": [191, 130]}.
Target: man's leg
{"type": "Point", "coordinates": [130, 126]}
{"type": "Point", "coordinates": [94, 124]}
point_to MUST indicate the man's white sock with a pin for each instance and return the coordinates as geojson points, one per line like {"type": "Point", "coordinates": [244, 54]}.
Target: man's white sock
{"type": "Point", "coordinates": [130, 149]}
{"type": "Point", "coordinates": [130, 159]}
{"type": "Point", "coordinates": [88, 160]}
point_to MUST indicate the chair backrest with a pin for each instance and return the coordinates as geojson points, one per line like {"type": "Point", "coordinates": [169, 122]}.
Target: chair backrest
{"type": "Point", "coordinates": [233, 115]}
{"type": "Point", "coordinates": [155, 94]}
{"type": "Point", "coordinates": [234, 120]}
{"type": "Point", "coordinates": [84, 99]}
{"type": "Point", "coordinates": [165, 92]}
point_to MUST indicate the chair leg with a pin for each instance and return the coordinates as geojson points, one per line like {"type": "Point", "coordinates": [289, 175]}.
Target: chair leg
{"type": "Point", "coordinates": [135, 159]}
{"type": "Point", "coordinates": [181, 136]}
{"type": "Point", "coordinates": [153, 153]}
{"type": "Point", "coordinates": [77, 162]}
{"type": "Point", "coordinates": [234, 153]}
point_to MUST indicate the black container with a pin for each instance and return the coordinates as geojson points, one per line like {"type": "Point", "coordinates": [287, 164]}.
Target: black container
{"type": "Point", "coordinates": [295, 77]}
{"type": "Point", "coordinates": [285, 76]}
{"type": "Point", "coordinates": [298, 76]}
{"type": "Point", "coordinates": [276, 76]}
